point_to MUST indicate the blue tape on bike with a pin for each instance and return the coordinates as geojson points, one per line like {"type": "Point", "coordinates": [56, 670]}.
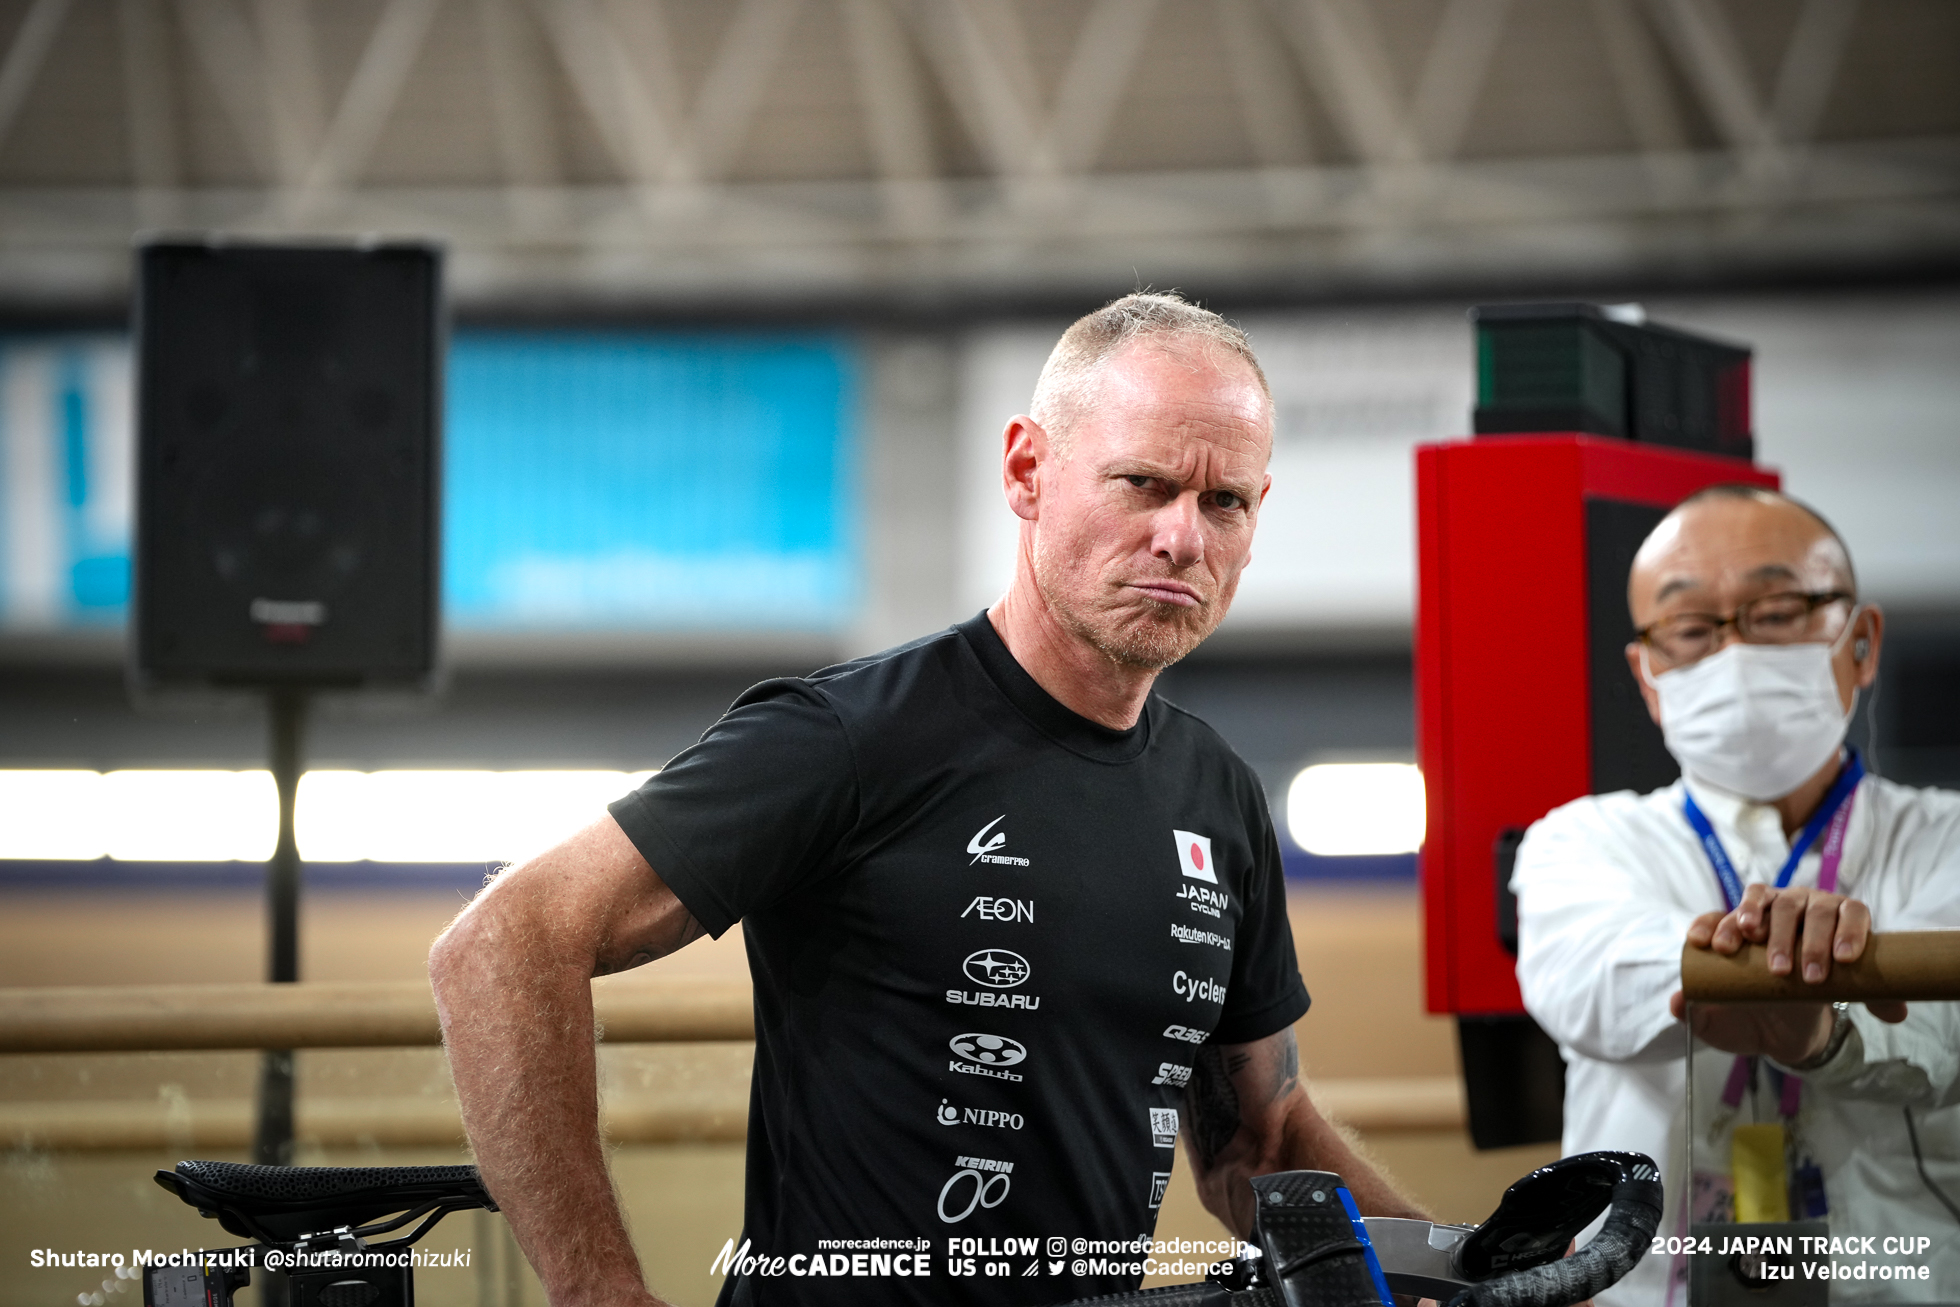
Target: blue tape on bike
{"type": "Point", "coordinates": [1367, 1247]}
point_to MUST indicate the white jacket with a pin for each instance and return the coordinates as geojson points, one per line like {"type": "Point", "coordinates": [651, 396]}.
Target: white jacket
{"type": "Point", "coordinates": [1607, 886]}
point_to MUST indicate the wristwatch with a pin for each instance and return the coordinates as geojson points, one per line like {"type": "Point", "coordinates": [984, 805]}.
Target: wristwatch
{"type": "Point", "coordinates": [1840, 1029]}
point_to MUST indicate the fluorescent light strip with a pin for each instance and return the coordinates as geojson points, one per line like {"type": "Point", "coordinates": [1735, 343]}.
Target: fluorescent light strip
{"type": "Point", "coordinates": [1338, 810]}
{"type": "Point", "coordinates": [342, 816]}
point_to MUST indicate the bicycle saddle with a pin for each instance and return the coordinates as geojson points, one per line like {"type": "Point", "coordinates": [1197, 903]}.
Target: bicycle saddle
{"type": "Point", "coordinates": [278, 1204]}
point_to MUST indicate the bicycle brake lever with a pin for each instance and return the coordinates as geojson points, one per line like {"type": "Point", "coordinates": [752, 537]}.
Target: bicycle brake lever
{"type": "Point", "coordinates": [1416, 1255]}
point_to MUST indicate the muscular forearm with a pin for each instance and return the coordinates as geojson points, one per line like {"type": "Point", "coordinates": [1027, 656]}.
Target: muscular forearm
{"type": "Point", "coordinates": [520, 1042]}
{"type": "Point", "coordinates": [1247, 1115]}
{"type": "Point", "coordinates": [513, 984]}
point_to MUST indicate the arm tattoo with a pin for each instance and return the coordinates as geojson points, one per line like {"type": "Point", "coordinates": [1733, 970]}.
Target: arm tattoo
{"type": "Point", "coordinates": [1211, 1102]}
{"type": "Point", "coordinates": [1287, 1070]}
{"type": "Point", "coordinates": [1218, 1077]}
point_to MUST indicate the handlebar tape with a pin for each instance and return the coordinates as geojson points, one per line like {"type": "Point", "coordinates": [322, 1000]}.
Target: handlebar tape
{"type": "Point", "coordinates": [1188, 1295]}
{"type": "Point", "coordinates": [1620, 1243]}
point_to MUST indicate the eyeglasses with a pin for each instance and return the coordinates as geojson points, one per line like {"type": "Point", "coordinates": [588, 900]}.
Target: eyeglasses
{"type": "Point", "coordinates": [1789, 617]}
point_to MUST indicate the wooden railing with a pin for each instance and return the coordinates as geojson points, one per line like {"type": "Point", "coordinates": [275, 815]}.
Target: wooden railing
{"type": "Point", "coordinates": [315, 1015]}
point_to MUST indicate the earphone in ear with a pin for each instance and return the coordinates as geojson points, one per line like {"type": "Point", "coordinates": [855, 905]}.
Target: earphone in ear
{"type": "Point", "coordinates": [1860, 649]}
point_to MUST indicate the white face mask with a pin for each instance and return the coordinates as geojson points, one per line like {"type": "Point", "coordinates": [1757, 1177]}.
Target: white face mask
{"type": "Point", "coordinates": [1756, 719]}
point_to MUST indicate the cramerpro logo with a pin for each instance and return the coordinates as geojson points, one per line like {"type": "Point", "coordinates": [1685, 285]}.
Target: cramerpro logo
{"type": "Point", "coordinates": [1194, 856]}
{"type": "Point", "coordinates": [986, 1055]}
{"type": "Point", "coordinates": [982, 846]}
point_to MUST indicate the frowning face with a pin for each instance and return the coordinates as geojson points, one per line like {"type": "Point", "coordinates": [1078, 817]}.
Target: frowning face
{"type": "Point", "coordinates": [1140, 530]}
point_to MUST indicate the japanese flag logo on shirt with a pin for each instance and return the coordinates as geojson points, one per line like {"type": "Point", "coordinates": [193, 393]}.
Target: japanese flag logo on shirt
{"type": "Point", "coordinates": [1194, 856]}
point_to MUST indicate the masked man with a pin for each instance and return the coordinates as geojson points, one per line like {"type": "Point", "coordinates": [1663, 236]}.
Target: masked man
{"type": "Point", "coordinates": [1752, 649]}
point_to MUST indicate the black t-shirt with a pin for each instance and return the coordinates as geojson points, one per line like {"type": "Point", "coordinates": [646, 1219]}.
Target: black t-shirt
{"type": "Point", "coordinates": [987, 935]}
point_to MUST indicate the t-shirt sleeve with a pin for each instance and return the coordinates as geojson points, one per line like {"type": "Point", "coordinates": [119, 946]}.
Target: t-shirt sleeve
{"type": "Point", "coordinates": [754, 812]}
{"type": "Point", "coordinates": [1267, 994]}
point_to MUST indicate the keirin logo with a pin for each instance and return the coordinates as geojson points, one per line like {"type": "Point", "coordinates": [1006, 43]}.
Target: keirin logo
{"type": "Point", "coordinates": [984, 852]}
{"type": "Point", "coordinates": [991, 1182]}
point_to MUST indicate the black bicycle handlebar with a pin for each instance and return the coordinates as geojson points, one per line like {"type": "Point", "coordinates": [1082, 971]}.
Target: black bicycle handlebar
{"type": "Point", "coordinates": [1514, 1259]}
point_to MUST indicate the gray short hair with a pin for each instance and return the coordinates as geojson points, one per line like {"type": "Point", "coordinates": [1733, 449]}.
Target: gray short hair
{"type": "Point", "coordinates": [1068, 379]}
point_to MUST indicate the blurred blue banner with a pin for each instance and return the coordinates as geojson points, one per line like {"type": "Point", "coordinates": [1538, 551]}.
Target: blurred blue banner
{"type": "Point", "coordinates": [594, 480]}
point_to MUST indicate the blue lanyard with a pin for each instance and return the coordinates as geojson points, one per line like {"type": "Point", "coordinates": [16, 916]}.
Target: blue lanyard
{"type": "Point", "coordinates": [1718, 856]}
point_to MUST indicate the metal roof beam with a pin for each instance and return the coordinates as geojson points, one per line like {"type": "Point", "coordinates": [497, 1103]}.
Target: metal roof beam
{"type": "Point", "coordinates": [150, 108]}
{"type": "Point", "coordinates": [25, 55]}
{"type": "Point", "coordinates": [894, 117]}
{"type": "Point", "coordinates": [527, 148]}
{"type": "Point", "coordinates": [1453, 74]}
{"type": "Point", "coordinates": [391, 51]}
{"type": "Point", "coordinates": [229, 54]}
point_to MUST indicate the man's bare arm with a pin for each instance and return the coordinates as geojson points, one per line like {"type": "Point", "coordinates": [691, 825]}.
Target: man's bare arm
{"type": "Point", "coordinates": [512, 978]}
{"type": "Point", "coordinates": [1247, 1114]}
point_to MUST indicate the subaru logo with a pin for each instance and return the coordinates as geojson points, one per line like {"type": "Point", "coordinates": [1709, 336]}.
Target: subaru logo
{"type": "Point", "coordinates": [989, 1050]}
{"type": "Point", "coordinates": [996, 968]}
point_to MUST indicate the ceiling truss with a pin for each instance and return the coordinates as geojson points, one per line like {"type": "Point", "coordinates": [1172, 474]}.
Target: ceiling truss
{"type": "Point", "coordinates": [1345, 140]}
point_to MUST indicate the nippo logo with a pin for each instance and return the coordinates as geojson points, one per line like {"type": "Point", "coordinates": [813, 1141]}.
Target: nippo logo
{"type": "Point", "coordinates": [1194, 856]}
{"type": "Point", "coordinates": [988, 1050]}
{"type": "Point", "coordinates": [996, 968]}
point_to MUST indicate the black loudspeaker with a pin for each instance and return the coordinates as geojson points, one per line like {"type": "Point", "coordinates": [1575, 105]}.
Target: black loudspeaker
{"type": "Point", "coordinates": [288, 460]}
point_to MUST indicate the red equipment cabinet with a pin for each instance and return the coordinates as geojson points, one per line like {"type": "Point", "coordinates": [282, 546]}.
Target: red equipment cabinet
{"type": "Point", "coordinates": [1523, 700]}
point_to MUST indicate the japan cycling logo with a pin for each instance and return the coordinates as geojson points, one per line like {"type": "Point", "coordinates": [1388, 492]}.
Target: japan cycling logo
{"type": "Point", "coordinates": [1194, 856]}
{"type": "Point", "coordinates": [987, 1055]}
{"type": "Point", "coordinates": [996, 968]}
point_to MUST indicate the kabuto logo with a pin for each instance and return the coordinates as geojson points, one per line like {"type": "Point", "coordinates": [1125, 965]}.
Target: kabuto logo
{"type": "Point", "coordinates": [982, 846]}
{"type": "Point", "coordinates": [987, 1055]}
{"type": "Point", "coordinates": [1194, 856]}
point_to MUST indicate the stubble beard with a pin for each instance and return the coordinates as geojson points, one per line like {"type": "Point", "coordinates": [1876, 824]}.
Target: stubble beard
{"type": "Point", "coordinates": [1162, 636]}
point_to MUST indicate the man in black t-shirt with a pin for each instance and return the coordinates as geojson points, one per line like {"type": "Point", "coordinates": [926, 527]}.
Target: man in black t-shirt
{"type": "Point", "coordinates": [1015, 922]}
